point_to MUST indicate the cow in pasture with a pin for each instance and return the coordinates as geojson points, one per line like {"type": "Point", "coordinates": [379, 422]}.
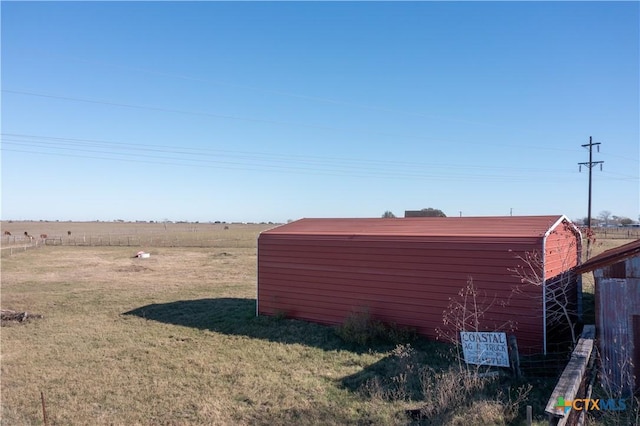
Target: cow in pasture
{"type": "Point", "coordinates": [43, 236]}
{"type": "Point", "coordinates": [26, 234]}
{"type": "Point", "coordinates": [7, 233]}
{"type": "Point", "coordinates": [69, 233]}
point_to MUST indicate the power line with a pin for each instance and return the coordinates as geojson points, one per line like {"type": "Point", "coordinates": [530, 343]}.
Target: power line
{"type": "Point", "coordinates": [227, 165]}
{"type": "Point", "coordinates": [259, 161]}
{"type": "Point", "coordinates": [273, 122]}
{"type": "Point", "coordinates": [44, 144]}
{"type": "Point", "coordinates": [327, 170]}
{"type": "Point", "coordinates": [267, 91]}
{"type": "Point", "coordinates": [46, 141]}
{"type": "Point", "coordinates": [38, 144]}
{"type": "Point", "coordinates": [214, 115]}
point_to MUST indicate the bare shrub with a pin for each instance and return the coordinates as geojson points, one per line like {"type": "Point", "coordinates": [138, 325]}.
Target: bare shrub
{"type": "Point", "coordinates": [361, 328]}
{"type": "Point", "coordinates": [616, 388]}
{"type": "Point", "coordinates": [461, 394]}
{"type": "Point", "coordinates": [401, 383]}
{"type": "Point", "coordinates": [511, 403]}
{"type": "Point", "coordinates": [448, 389]}
{"type": "Point", "coordinates": [558, 294]}
{"type": "Point", "coordinates": [466, 313]}
{"type": "Point", "coordinates": [469, 398]}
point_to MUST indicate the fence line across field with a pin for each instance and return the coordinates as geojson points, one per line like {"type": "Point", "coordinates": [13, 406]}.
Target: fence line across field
{"type": "Point", "coordinates": [617, 233]}
{"type": "Point", "coordinates": [133, 240]}
{"type": "Point", "coordinates": [153, 241]}
{"type": "Point", "coordinates": [20, 248]}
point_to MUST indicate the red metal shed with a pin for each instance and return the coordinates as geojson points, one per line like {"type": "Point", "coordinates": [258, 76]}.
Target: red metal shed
{"type": "Point", "coordinates": [407, 270]}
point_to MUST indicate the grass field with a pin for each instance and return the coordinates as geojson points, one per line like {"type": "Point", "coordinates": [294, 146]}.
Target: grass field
{"type": "Point", "coordinates": [174, 340]}
{"type": "Point", "coordinates": [138, 234]}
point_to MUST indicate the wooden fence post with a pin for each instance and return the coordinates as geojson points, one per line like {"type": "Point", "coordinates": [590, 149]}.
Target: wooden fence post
{"type": "Point", "coordinates": [45, 418]}
{"type": "Point", "coordinates": [514, 356]}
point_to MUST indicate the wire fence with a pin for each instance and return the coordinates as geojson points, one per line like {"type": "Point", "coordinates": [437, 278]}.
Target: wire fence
{"type": "Point", "coordinates": [151, 241]}
{"type": "Point", "coordinates": [616, 233]}
{"type": "Point", "coordinates": [19, 248]}
{"type": "Point", "coordinates": [550, 364]}
{"type": "Point", "coordinates": [11, 245]}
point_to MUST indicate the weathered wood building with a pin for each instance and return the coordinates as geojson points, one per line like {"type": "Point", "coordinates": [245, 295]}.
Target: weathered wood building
{"type": "Point", "coordinates": [617, 299]}
{"type": "Point", "coordinates": [407, 270]}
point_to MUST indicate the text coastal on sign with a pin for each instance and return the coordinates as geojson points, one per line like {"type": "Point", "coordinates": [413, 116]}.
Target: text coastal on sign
{"type": "Point", "coordinates": [485, 348]}
{"type": "Point", "coordinates": [479, 337]}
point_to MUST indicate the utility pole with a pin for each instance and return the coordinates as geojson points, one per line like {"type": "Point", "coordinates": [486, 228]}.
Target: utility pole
{"type": "Point", "coordinates": [590, 164]}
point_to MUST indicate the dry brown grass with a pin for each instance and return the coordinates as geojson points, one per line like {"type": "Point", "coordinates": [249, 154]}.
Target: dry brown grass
{"type": "Point", "coordinates": [202, 357]}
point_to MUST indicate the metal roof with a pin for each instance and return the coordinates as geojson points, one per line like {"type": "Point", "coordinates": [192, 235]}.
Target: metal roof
{"type": "Point", "coordinates": [486, 226]}
{"type": "Point", "coordinates": [610, 257]}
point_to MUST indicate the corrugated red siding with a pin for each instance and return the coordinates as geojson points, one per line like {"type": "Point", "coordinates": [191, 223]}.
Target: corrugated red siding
{"type": "Point", "coordinates": [313, 273]}
{"type": "Point", "coordinates": [562, 250]}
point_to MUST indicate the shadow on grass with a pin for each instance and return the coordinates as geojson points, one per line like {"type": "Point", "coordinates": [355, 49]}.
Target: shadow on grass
{"type": "Point", "coordinates": [237, 316]}
{"type": "Point", "coordinates": [426, 377]}
{"type": "Point", "coordinates": [394, 377]}
{"type": "Point", "coordinates": [398, 375]}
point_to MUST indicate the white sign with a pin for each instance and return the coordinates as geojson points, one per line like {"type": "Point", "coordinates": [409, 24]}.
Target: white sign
{"type": "Point", "coordinates": [485, 348]}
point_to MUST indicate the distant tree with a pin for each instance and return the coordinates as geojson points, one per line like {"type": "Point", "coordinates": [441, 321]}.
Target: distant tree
{"type": "Point", "coordinates": [604, 216]}
{"type": "Point", "coordinates": [595, 221]}
{"type": "Point", "coordinates": [431, 212]}
{"type": "Point", "coordinates": [388, 214]}
{"type": "Point", "coordinates": [428, 212]}
{"type": "Point", "coordinates": [583, 221]}
{"type": "Point", "coordinates": [625, 221]}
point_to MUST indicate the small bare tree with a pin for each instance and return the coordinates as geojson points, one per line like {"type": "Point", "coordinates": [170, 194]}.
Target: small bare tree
{"type": "Point", "coordinates": [558, 294]}
{"type": "Point", "coordinates": [467, 313]}
{"type": "Point", "coordinates": [449, 390]}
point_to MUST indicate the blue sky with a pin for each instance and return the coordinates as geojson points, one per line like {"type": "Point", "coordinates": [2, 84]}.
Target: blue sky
{"type": "Point", "coordinates": [207, 111]}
